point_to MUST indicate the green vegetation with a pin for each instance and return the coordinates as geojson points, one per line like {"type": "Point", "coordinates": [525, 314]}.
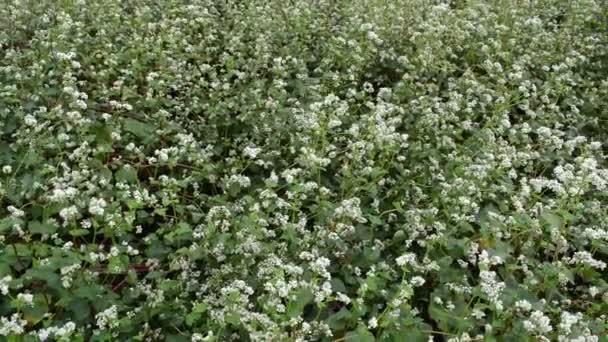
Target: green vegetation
{"type": "Point", "coordinates": [303, 170]}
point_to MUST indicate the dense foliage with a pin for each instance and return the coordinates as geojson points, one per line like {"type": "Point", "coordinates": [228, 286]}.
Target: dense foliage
{"type": "Point", "coordinates": [303, 170]}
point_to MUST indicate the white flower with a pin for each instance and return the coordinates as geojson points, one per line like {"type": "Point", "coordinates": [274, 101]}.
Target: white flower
{"type": "Point", "coordinates": [251, 152]}
{"type": "Point", "coordinates": [491, 286]}
{"type": "Point", "coordinates": [568, 320]}
{"type": "Point", "coordinates": [523, 305]}
{"type": "Point", "coordinates": [73, 115]}
{"type": "Point", "coordinates": [30, 120]}
{"type": "Point", "coordinates": [68, 213]}
{"type": "Point", "coordinates": [26, 298]}
{"type": "Point", "coordinates": [107, 318]}
{"type": "Point", "coordinates": [196, 337]}
{"type": "Point", "coordinates": [478, 314]}
{"type": "Point", "coordinates": [538, 323]}
{"type": "Point", "coordinates": [14, 326]}
{"type": "Point", "coordinates": [66, 330]}
{"type": "Point", "coordinates": [63, 332]}
{"type": "Point", "coordinates": [274, 179]}
{"type": "Point", "coordinates": [4, 284]}
{"type": "Point", "coordinates": [343, 298]}
{"type": "Point", "coordinates": [594, 291]}
{"type": "Point", "coordinates": [585, 258]}
{"type": "Point", "coordinates": [320, 265]}
{"type": "Point", "coordinates": [81, 104]}
{"type": "Point", "coordinates": [16, 213]}
{"type": "Point", "coordinates": [417, 281]}
{"type": "Point", "coordinates": [408, 258]}
{"type": "Point", "coordinates": [350, 208]}
{"type": "Point", "coordinates": [372, 323]}
{"type": "Point", "coordinates": [43, 334]}
{"type": "Point", "coordinates": [242, 181]}
{"type": "Point", "coordinates": [97, 206]}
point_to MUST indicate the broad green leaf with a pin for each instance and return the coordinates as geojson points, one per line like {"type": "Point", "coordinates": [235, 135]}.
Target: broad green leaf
{"type": "Point", "coordinates": [118, 264]}
{"type": "Point", "coordinates": [36, 227]}
{"type": "Point", "coordinates": [296, 307]}
{"type": "Point", "coordinates": [79, 232]}
{"type": "Point", "coordinates": [126, 175]}
{"type": "Point", "coordinates": [361, 334]}
{"type": "Point", "coordinates": [140, 129]}
{"type": "Point", "coordinates": [552, 219]}
{"type": "Point", "coordinates": [35, 313]}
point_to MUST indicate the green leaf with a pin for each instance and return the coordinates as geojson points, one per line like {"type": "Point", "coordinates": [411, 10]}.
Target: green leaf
{"type": "Point", "coordinates": [10, 124]}
{"type": "Point", "coordinates": [79, 232]}
{"type": "Point", "coordinates": [296, 307]}
{"type": "Point", "coordinates": [196, 313]}
{"type": "Point", "coordinates": [374, 283]}
{"type": "Point", "coordinates": [36, 227]}
{"type": "Point", "coordinates": [157, 250]}
{"type": "Point", "coordinates": [196, 216]}
{"type": "Point", "coordinates": [375, 220]}
{"type": "Point", "coordinates": [233, 319]}
{"type": "Point", "coordinates": [118, 264]}
{"type": "Point", "coordinates": [105, 172]}
{"type": "Point", "coordinates": [7, 223]}
{"type": "Point", "coordinates": [361, 334]}
{"type": "Point", "coordinates": [183, 228]}
{"type": "Point", "coordinates": [339, 320]}
{"type": "Point", "coordinates": [15, 338]}
{"type": "Point", "coordinates": [140, 129]}
{"type": "Point", "coordinates": [35, 313]}
{"type": "Point", "coordinates": [80, 308]}
{"type": "Point", "coordinates": [408, 334]}
{"type": "Point", "coordinates": [553, 220]}
{"type": "Point", "coordinates": [191, 318]}
{"type": "Point", "coordinates": [90, 292]}
{"type": "Point", "coordinates": [46, 274]}
{"type": "Point", "coordinates": [338, 285]}
{"type": "Point", "coordinates": [449, 320]}
{"type": "Point", "coordinates": [126, 174]}
{"type": "Point", "coordinates": [177, 338]}
{"type": "Point", "coordinates": [501, 249]}
{"type": "Point", "coordinates": [102, 134]}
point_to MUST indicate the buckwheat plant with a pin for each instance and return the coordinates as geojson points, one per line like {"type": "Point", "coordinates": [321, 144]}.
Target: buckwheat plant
{"type": "Point", "coordinates": [314, 170]}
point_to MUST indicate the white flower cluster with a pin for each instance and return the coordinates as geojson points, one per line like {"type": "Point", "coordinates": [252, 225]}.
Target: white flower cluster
{"type": "Point", "coordinates": [97, 206]}
{"type": "Point", "coordinates": [67, 274]}
{"type": "Point", "coordinates": [63, 332]}
{"type": "Point", "coordinates": [491, 287]}
{"type": "Point", "coordinates": [303, 170]}
{"type": "Point", "coordinates": [4, 284]}
{"type": "Point", "coordinates": [26, 298]}
{"type": "Point", "coordinates": [12, 326]}
{"type": "Point", "coordinates": [350, 208]}
{"type": "Point", "coordinates": [107, 318]}
{"type": "Point", "coordinates": [538, 323]}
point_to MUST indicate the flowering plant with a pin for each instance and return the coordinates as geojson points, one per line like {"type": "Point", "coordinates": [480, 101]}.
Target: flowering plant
{"type": "Point", "coordinates": [323, 170]}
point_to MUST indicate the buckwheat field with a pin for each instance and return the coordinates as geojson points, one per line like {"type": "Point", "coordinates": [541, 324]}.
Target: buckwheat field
{"type": "Point", "coordinates": [304, 170]}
